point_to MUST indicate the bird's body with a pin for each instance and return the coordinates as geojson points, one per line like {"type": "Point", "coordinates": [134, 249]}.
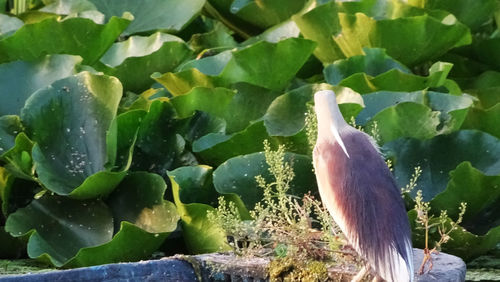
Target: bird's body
{"type": "Point", "coordinates": [360, 193]}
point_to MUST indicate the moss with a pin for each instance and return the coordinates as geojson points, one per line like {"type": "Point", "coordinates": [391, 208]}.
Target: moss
{"type": "Point", "coordinates": [287, 269]}
{"type": "Point", "coordinates": [22, 266]}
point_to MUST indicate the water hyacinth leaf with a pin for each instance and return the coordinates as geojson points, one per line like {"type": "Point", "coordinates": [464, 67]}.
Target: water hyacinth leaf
{"type": "Point", "coordinates": [465, 244]}
{"type": "Point", "coordinates": [9, 24]}
{"type": "Point", "coordinates": [373, 62]}
{"type": "Point", "coordinates": [150, 15]}
{"type": "Point", "coordinates": [58, 227]}
{"type": "Point", "coordinates": [267, 13]}
{"type": "Point", "coordinates": [66, 7]}
{"type": "Point", "coordinates": [440, 155]}
{"type": "Point", "coordinates": [486, 51]}
{"type": "Point", "coordinates": [139, 200]}
{"type": "Point", "coordinates": [159, 147]}
{"type": "Point", "coordinates": [75, 36]}
{"type": "Point", "coordinates": [410, 39]}
{"type": "Point", "coordinates": [135, 59]}
{"type": "Point", "coordinates": [195, 184]}
{"type": "Point", "coordinates": [68, 121]}
{"type": "Point", "coordinates": [472, 13]}
{"type": "Point", "coordinates": [237, 176]}
{"type": "Point", "coordinates": [201, 124]}
{"type": "Point", "coordinates": [121, 138]}
{"type": "Point", "coordinates": [19, 159]}
{"type": "Point", "coordinates": [200, 235]}
{"type": "Point", "coordinates": [484, 120]}
{"type": "Point", "coordinates": [211, 100]}
{"type": "Point", "coordinates": [286, 114]}
{"type": "Point", "coordinates": [10, 126]}
{"type": "Point", "coordinates": [273, 70]}
{"type": "Point", "coordinates": [480, 192]}
{"type": "Point", "coordinates": [218, 37]}
{"type": "Point", "coordinates": [36, 74]}
{"type": "Point", "coordinates": [15, 192]}
{"type": "Point", "coordinates": [215, 148]}
{"type": "Point", "coordinates": [274, 34]}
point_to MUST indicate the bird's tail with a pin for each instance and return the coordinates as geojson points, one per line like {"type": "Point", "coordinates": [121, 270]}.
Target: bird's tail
{"type": "Point", "coordinates": [393, 264]}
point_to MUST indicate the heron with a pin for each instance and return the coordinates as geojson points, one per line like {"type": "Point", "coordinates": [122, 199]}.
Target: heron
{"type": "Point", "coordinates": [360, 193]}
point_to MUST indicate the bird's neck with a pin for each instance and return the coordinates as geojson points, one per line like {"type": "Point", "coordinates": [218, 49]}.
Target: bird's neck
{"type": "Point", "coordinates": [329, 118]}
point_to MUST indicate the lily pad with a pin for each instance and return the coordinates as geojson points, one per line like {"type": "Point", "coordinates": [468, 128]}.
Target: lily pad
{"type": "Point", "coordinates": [134, 60]}
{"type": "Point", "coordinates": [440, 155]}
{"type": "Point", "coordinates": [75, 36]}
{"type": "Point", "coordinates": [200, 235]}
{"type": "Point", "coordinates": [36, 74]}
{"type": "Point", "coordinates": [68, 121]}
{"type": "Point", "coordinates": [237, 176]}
{"type": "Point", "coordinates": [273, 70]}
{"type": "Point", "coordinates": [150, 15]}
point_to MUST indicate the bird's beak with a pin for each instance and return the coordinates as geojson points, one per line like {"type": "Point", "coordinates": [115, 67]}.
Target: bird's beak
{"type": "Point", "coordinates": [330, 119]}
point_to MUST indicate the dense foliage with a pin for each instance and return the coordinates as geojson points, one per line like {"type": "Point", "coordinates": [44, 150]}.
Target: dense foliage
{"type": "Point", "coordinates": [122, 122]}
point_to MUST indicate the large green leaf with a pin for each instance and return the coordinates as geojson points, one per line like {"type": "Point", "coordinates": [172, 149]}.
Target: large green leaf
{"type": "Point", "coordinates": [139, 200]}
{"type": "Point", "coordinates": [58, 227]}
{"type": "Point", "coordinates": [76, 36]}
{"type": "Point", "coordinates": [237, 176]}
{"type": "Point", "coordinates": [200, 235]}
{"type": "Point", "coordinates": [273, 70]}
{"type": "Point", "coordinates": [215, 148]}
{"type": "Point", "coordinates": [18, 159]}
{"type": "Point", "coordinates": [480, 192]}
{"type": "Point", "coordinates": [374, 62]}
{"type": "Point", "coordinates": [66, 7]}
{"type": "Point", "coordinates": [440, 155]}
{"type": "Point", "coordinates": [463, 243]}
{"type": "Point", "coordinates": [159, 146]}
{"type": "Point", "coordinates": [151, 15]}
{"type": "Point", "coordinates": [10, 126]}
{"type": "Point", "coordinates": [419, 115]}
{"type": "Point", "coordinates": [266, 13]}
{"type": "Point", "coordinates": [486, 120]}
{"type": "Point", "coordinates": [35, 75]}
{"type": "Point", "coordinates": [68, 121]}
{"type": "Point", "coordinates": [195, 184]}
{"type": "Point", "coordinates": [286, 114]}
{"type": "Point", "coordinates": [134, 60]}
{"type": "Point", "coordinates": [214, 101]}
{"type": "Point", "coordinates": [408, 35]}
{"type": "Point", "coordinates": [472, 13]}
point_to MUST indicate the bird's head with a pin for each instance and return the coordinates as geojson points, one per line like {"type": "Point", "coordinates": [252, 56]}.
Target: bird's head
{"type": "Point", "coordinates": [331, 123]}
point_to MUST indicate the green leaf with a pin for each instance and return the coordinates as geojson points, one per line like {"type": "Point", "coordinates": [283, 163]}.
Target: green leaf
{"type": "Point", "coordinates": [486, 51]}
{"type": "Point", "coordinates": [36, 74]}
{"type": "Point", "coordinates": [68, 121]}
{"type": "Point", "coordinates": [273, 70]}
{"type": "Point", "coordinates": [463, 244]}
{"type": "Point", "coordinates": [18, 158]}
{"type": "Point", "coordinates": [441, 154]}
{"type": "Point", "coordinates": [472, 13]}
{"type": "Point", "coordinates": [374, 62]}
{"type": "Point", "coordinates": [134, 60]}
{"type": "Point", "coordinates": [218, 37]}
{"type": "Point", "coordinates": [10, 126]}
{"type": "Point", "coordinates": [9, 24]}
{"type": "Point", "coordinates": [75, 36]}
{"type": "Point", "coordinates": [408, 35]}
{"type": "Point", "coordinates": [159, 147]}
{"type": "Point", "coordinates": [211, 100]}
{"type": "Point", "coordinates": [286, 114]}
{"type": "Point", "coordinates": [484, 120]}
{"type": "Point", "coordinates": [266, 13]}
{"type": "Point", "coordinates": [66, 7]}
{"type": "Point", "coordinates": [200, 235]}
{"type": "Point", "coordinates": [15, 192]}
{"type": "Point", "coordinates": [151, 15]}
{"type": "Point", "coordinates": [481, 193]}
{"type": "Point", "coordinates": [58, 227]}
{"type": "Point", "coordinates": [237, 176]}
{"type": "Point", "coordinates": [139, 200]}
{"type": "Point", "coordinates": [195, 184]}
{"type": "Point", "coordinates": [215, 148]}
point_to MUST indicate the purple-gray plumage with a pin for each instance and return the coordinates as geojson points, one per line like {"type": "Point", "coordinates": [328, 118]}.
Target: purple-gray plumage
{"type": "Point", "coordinates": [360, 193]}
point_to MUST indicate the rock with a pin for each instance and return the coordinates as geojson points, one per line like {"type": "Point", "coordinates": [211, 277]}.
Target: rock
{"type": "Point", "coordinates": [221, 267]}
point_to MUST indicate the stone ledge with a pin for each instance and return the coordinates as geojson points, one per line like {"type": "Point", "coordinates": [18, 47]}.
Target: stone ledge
{"type": "Point", "coordinates": [227, 268]}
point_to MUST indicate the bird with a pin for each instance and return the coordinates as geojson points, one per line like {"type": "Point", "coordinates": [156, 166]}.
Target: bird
{"type": "Point", "coordinates": [360, 193]}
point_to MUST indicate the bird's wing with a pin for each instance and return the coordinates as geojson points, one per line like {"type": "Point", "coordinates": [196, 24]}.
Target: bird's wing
{"type": "Point", "coordinates": [363, 199]}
